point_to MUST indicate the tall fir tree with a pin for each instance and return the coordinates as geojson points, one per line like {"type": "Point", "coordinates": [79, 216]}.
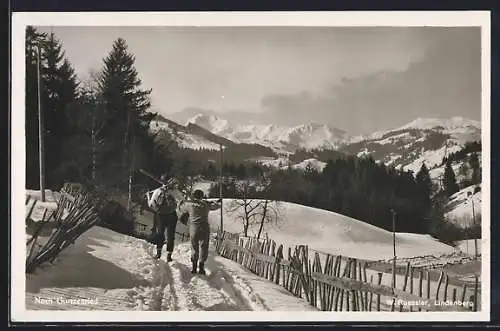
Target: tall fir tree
{"type": "Point", "coordinates": [424, 186]}
{"type": "Point", "coordinates": [126, 108]}
{"type": "Point", "coordinates": [450, 185]}
{"type": "Point", "coordinates": [424, 182]}
{"type": "Point", "coordinates": [59, 95]}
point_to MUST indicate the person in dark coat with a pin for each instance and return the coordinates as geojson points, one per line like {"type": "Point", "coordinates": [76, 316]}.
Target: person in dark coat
{"type": "Point", "coordinates": [165, 219]}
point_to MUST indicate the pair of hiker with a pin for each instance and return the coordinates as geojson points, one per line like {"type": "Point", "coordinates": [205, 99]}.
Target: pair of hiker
{"type": "Point", "coordinates": [194, 213]}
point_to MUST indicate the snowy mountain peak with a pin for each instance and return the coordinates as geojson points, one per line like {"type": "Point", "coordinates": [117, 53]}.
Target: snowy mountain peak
{"type": "Point", "coordinates": [278, 137]}
{"type": "Point", "coordinates": [445, 123]}
{"type": "Point", "coordinates": [426, 140]}
{"type": "Point", "coordinates": [211, 123]}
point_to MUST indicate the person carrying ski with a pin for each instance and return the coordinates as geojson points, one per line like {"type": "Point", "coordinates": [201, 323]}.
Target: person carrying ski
{"type": "Point", "coordinates": [165, 218]}
{"type": "Point", "coordinates": [194, 212]}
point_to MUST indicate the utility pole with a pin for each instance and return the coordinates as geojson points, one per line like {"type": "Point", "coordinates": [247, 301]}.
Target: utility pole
{"type": "Point", "coordinates": [394, 248]}
{"type": "Point", "coordinates": [41, 149]}
{"type": "Point", "coordinates": [220, 189]}
{"type": "Point", "coordinates": [94, 140]}
{"type": "Point", "coordinates": [474, 223]}
{"type": "Point", "coordinates": [131, 171]}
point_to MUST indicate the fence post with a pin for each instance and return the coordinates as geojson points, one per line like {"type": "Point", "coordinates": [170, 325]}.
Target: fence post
{"type": "Point", "coordinates": [279, 257]}
{"type": "Point", "coordinates": [379, 281]}
{"type": "Point", "coordinates": [420, 281]}
{"type": "Point", "coordinates": [439, 284]}
{"type": "Point", "coordinates": [405, 284]}
{"type": "Point", "coordinates": [476, 291]}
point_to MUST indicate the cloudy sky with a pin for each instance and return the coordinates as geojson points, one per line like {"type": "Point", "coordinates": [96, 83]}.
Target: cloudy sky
{"type": "Point", "coordinates": [358, 79]}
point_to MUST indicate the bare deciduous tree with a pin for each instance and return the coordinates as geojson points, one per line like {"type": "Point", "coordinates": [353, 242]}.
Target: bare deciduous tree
{"type": "Point", "coordinates": [251, 210]}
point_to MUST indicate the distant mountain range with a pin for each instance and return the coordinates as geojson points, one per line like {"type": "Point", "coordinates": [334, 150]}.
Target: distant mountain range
{"type": "Point", "coordinates": [422, 140]}
{"type": "Point", "coordinates": [284, 139]}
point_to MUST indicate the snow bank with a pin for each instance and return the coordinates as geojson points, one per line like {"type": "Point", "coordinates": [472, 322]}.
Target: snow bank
{"type": "Point", "coordinates": [50, 196]}
{"type": "Point", "coordinates": [461, 204]}
{"type": "Point", "coordinates": [105, 270]}
{"type": "Point", "coordinates": [336, 234]}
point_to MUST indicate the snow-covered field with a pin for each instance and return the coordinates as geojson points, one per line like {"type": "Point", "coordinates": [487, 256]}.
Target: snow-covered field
{"type": "Point", "coordinates": [432, 159]}
{"type": "Point", "coordinates": [280, 162]}
{"type": "Point", "coordinates": [461, 205]}
{"type": "Point", "coordinates": [468, 246]}
{"type": "Point", "coordinates": [328, 232]}
{"type": "Point", "coordinates": [129, 279]}
{"type": "Point", "coordinates": [105, 270]}
{"type": "Point", "coordinates": [334, 233]}
{"type": "Point", "coordinates": [313, 163]}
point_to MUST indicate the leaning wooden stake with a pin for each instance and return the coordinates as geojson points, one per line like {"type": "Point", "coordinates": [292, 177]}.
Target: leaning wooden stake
{"type": "Point", "coordinates": [411, 284]}
{"type": "Point", "coordinates": [407, 271]}
{"type": "Point", "coordinates": [476, 292]}
{"type": "Point", "coordinates": [379, 282]}
{"type": "Point", "coordinates": [445, 297]}
{"type": "Point", "coordinates": [441, 276]}
{"type": "Point", "coordinates": [420, 281]}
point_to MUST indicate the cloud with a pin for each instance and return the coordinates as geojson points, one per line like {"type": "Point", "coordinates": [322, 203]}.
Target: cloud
{"type": "Point", "coordinates": [445, 82]}
{"type": "Point", "coordinates": [296, 109]}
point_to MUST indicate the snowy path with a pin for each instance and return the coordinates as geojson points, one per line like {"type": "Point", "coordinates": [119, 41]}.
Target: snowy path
{"type": "Point", "coordinates": [117, 272]}
{"type": "Point", "coordinates": [177, 289]}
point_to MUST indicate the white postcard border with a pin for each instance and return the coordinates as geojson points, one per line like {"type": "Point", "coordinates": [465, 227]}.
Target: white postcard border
{"type": "Point", "coordinates": [368, 18]}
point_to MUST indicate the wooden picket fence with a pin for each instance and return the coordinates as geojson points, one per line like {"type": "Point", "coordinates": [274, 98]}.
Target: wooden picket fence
{"type": "Point", "coordinates": [339, 283]}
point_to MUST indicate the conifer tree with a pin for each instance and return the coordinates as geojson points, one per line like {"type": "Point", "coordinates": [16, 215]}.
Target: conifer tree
{"type": "Point", "coordinates": [474, 164]}
{"type": "Point", "coordinates": [425, 187]}
{"type": "Point", "coordinates": [59, 93]}
{"type": "Point", "coordinates": [424, 182]}
{"type": "Point", "coordinates": [450, 185]}
{"type": "Point", "coordinates": [126, 106]}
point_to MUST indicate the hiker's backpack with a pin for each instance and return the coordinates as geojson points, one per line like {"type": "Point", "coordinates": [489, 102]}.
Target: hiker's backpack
{"type": "Point", "coordinates": [162, 202]}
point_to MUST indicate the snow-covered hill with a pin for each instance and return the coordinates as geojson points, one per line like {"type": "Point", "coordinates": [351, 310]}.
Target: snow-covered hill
{"type": "Point", "coordinates": [183, 138]}
{"type": "Point", "coordinates": [460, 168]}
{"type": "Point", "coordinates": [313, 163]}
{"type": "Point", "coordinates": [280, 138]}
{"type": "Point", "coordinates": [462, 204]}
{"type": "Point", "coordinates": [334, 233]}
{"type": "Point", "coordinates": [422, 140]}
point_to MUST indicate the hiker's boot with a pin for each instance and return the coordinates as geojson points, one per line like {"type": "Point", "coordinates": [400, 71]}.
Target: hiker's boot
{"type": "Point", "coordinates": [169, 257]}
{"type": "Point", "coordinates": [201, 268]}
{"type": "Point", "coordinates": [158, 254]}
{"type": "Point", "coordinates": [194, 269]}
